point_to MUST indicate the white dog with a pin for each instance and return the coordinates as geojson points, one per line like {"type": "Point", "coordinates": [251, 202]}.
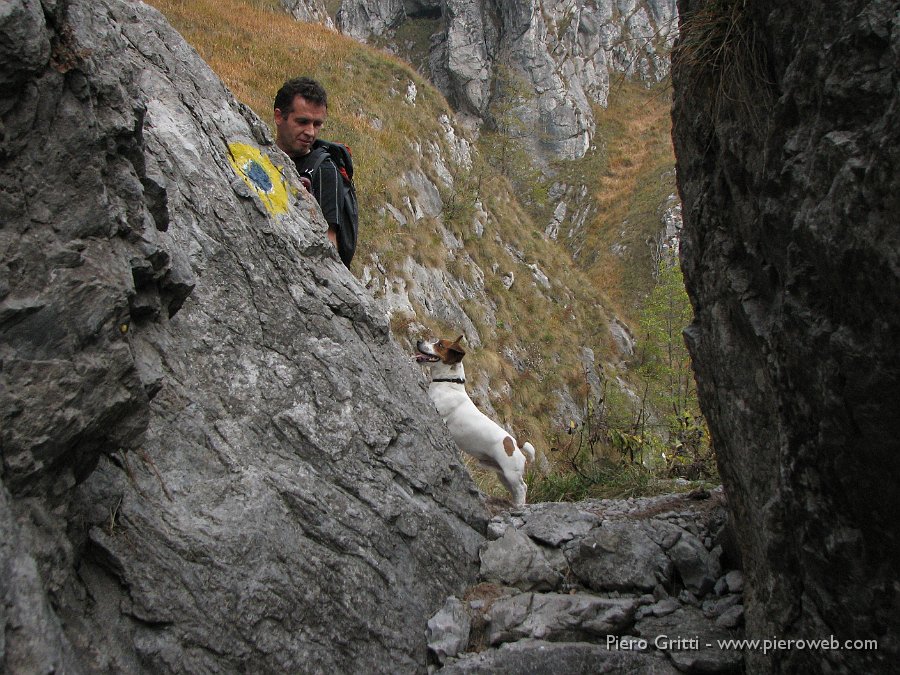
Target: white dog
{"type": "Point", "coordinates": [474, 432]}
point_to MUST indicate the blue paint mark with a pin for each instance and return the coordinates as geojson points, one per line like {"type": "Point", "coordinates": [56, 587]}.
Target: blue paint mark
{"type": "Point", "coordinates": [257, 174]}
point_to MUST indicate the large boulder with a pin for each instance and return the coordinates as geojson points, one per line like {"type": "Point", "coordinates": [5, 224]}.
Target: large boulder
{"type": "Point", "coordinates": [787, 133]}
{"type": "Point", "coordinates": [215, 458]}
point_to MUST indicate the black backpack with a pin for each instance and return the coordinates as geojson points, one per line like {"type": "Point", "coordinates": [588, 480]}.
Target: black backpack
{"type": "Point", "coordinates": [343, 160]}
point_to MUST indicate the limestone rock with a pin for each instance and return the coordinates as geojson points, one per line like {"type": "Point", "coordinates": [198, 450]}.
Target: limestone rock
{"type": "Point", "coordinates": [515, 560]}
{"type": "Point", "coordinates": [537, 656]}
{"type": "Point", "coordinates": [362, 19]}
{"type": "Point", "coordinates": [215, 458]}
{"type": "Point", "coordinates": [602, 619]}
{"type": "Point", "coordinates": [558, 617]}
{"type": "Point", "coordinates": [310, 11]}
{"type": "Point", "coordinates": [556, 523]}
{"type": "Point", "coordinates": [696, 567]}
{"type": "Point", "coordinates": [33, 641]}
{"type": "Point", "coordinates": [448, 630]}
{"type": "Point", "coordinates": [731, 617]}
{"type": "Point", "coordinates": [691, 642]}
{"type": "Point", "coordinates": [616, 557]}
{"type": "Point", "coordinates": [790, 251]}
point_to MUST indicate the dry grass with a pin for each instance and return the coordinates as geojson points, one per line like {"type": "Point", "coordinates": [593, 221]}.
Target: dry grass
{"type": "Point", "coordinates": [721, 59]}
{"type": "Point", "coordinates": [638, 121]}
{"type": "Point", "coordinates": [635, 133]}
{"type": "Point", "coordinates": [253, 47]}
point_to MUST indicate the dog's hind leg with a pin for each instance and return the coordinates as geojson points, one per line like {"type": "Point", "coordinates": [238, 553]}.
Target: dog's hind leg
{"type": "Point", "coordinates": [528, 449]}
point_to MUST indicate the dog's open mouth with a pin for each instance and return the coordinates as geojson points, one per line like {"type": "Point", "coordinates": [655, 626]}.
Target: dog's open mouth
{"type": "Point", "coordinates": [427, 358]}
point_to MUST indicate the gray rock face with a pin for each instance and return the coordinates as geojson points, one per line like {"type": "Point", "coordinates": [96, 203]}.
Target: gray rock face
{"type": "Point", "coordinates": [448, 630]}
{"type": "Point", "coordinates": [562, 53]}
{"type": "Point", "coordinates": [558, 617]}
{"type": "Point", "coordinates": [214, 457]}
{"type": "Point", "coordinates": [310, 11]}
{"type": "Point", "coordinates": [791, 252]}
{"type": "Point", "coordinates": [618, 557]}
{"type": "Point", "coordinates": [515, 560]}
{"type": "Point", "coordinates": [362, 19]}
{"type": "Point", "coordinates": [599, 586]}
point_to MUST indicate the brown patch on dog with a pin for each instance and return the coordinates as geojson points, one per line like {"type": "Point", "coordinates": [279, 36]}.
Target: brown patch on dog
{"type": "Point", "coordinates": [509, 445]}
{"type": "Point", "coordinates": [450, 352]}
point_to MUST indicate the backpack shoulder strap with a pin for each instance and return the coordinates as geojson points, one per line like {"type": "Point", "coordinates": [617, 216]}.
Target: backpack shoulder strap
{"type": "Point", "coordinates": [319, 154]}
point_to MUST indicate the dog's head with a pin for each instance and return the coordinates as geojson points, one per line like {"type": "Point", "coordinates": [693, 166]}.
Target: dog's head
{"type": "Point", "coordinates": [440, 351]}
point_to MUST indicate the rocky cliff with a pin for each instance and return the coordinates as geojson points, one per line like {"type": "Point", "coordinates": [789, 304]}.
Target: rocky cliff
{"type": "Point", "coordinates": [788, 142]}
{"type": "Point", "coordinates": [214, 457]}
{"type": "Point", "coordinates": [311, 11]}
{"type": "Point", "coordinates": [551, 60]}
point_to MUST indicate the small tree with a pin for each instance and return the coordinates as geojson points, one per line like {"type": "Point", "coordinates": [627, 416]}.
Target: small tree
{"type": "Point", "coordinates": [665, 366]}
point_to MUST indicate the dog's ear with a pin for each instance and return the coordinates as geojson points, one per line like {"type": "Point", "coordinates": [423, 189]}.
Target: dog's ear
{"type": "Point", "coordinates": [458, 348]}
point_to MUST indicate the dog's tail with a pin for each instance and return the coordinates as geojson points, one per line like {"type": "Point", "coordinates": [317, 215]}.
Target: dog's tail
{"type": "Point", "coordinates": [528, 449]}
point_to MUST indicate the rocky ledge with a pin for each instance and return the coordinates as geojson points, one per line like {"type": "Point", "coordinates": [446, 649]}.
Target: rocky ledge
{"type": "Point", "coordinates": [638, 585]}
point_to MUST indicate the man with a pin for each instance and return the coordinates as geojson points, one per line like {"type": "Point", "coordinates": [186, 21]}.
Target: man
{"type": "Point", "coordinates": [301, 106]}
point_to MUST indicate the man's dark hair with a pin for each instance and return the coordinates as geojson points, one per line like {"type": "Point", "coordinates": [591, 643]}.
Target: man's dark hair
{"type": "Point", "coordinates": [306, 87]}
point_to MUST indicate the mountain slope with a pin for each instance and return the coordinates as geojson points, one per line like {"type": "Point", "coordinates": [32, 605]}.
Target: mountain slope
{"type": "Point", "coordinates": [448, 241]}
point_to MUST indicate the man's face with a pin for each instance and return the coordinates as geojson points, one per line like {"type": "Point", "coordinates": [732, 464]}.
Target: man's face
{"type": "Point", "coordinates": [296, 129]}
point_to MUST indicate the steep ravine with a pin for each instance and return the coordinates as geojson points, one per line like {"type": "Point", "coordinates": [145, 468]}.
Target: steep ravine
{"type": "Point", "coordinates": [215, 458]}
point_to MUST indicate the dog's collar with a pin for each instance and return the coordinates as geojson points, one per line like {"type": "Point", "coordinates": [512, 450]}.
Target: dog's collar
{"type": "Point", "coordinates": [454, 380]}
